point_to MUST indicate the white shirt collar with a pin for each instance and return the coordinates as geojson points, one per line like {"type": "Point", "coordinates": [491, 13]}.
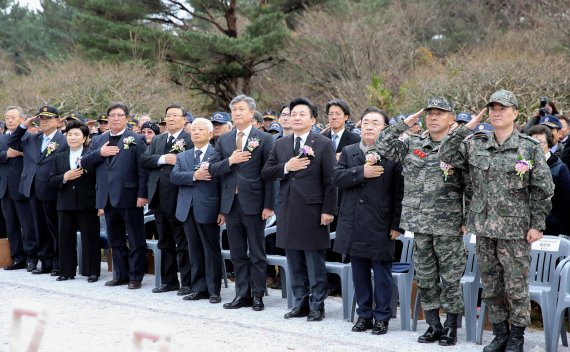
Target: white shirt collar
{"type": "Point", "coordinates": [246, 131]}
{"type": "Point", "coordinates": [339, 133]}
{"type": "Point", "coordinates": [176, 134]}
{"type": "Point", "coordinates": [50, 136]}
{"type": "Point", "coordinates": [118, 134]}
{"type": "Point", "coordinates": [76, 152]}
{"type": "Point", "coordinates": [303, 136]}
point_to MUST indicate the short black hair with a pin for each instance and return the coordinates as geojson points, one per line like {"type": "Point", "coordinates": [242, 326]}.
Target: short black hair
{"type": "Point", "coordinates": [343, 105]}
{"type": "Point", "coordinates": [304, 101]}
{"type": "Point", "coordinates": [283, 107]}
{"type": "Point", "coordinates": [77, 124]}
{"type": "Point", "coordinates": [370, 109]}
{"type": "Point", "coordinates": [118, 105]}
{"type": "Point", "coordinates": [541, 129]}
{"type": "Point", "coordinates": [176, 106]}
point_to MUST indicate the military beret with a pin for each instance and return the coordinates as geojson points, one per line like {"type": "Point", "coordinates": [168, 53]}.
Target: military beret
{"type": "Point", "coordinates": [152, 126]}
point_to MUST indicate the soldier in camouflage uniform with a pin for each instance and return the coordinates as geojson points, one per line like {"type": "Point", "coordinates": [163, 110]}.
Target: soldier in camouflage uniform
{"type": "Point", "coordinates": [512, 187]}
{"type": "Point", "coordinates": [432, 208]}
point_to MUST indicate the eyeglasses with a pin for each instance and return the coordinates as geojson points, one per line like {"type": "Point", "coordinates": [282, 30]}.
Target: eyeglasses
{"type": "Point", "coordinates": [285, 115]}
{"type": "Point", "coordinates": [116, 115]}
{"type": "Point", "coordinates": [542, 142]}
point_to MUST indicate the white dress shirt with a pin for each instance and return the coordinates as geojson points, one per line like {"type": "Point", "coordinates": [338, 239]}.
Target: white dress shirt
{"type": "Point", "coordinates": [246, 133]}
{"type": "Point", "coordinates": [74, 155]}
{"type": "Point", "coordinates": [302, 144]}
{"type": "Point", "coordinates": [162, 159]}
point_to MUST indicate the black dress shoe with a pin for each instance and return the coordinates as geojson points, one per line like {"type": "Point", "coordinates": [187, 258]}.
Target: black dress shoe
{"type": "Point", "coordinates": [93, 278]}
{"type": "Point", "coordinates": [257, 304]}
{"type": "Point", "coordinates": [380, 327]}
{"type": "Point", "coordinates": [31, 267]}
{"type": "Point", "coordinates": [183, 291]}
{"type": "Point", "coordinates": [64, 278]}
{"type": "Point", "coordinates": [116, 282]}
{"type": "Point", "coordinates": [298, 312]}
{"type": "Point", "coordinates": [195, 296]}
{"type": "Point", "coordinates": [42, 271]}
{"type": "Point", "coordinates": [16, 266]}
{"type": "Point", "coordinates": [239, 302]}
{"type": "Point", "coordinates": [55, 272]}
{"type": "Point", "coordinates": [215, 298]}
{"type": "Point", "coordinates": [133, 285]}
{"type": "Point", "coordinates": [432, 334]}
{"type": "Point", "coordinates": [362, 324]}
{"type": "Point", "coordinates": [316, 315]}
{"type": "Point", "coordinates": [165, 288]}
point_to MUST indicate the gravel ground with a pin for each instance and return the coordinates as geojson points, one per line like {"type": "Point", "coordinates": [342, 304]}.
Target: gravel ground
{"type": "Point", "coordinates": [92, 317]}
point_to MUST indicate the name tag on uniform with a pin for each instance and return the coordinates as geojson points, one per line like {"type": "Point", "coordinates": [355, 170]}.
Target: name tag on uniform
{"type": "Point", "coordinates": [408, 234]}
{"type": "Point", "coordinates": [473, 239]}
{"type": "Point", "coordinates": [546, 244]}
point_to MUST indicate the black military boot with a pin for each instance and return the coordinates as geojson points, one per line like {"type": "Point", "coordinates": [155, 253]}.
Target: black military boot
{"type": "Point", "coordinates": [449, 334]}
{"type": "Point", "coordinates": [501, 339]}
{"type": "Point", "coordinates": [516, 340]}
{"type": "Point", "coordinates": [435, 329]}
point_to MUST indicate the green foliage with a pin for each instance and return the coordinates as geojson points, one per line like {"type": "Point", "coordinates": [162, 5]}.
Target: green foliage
{"type": "Point", "coordinates": [380, 95]}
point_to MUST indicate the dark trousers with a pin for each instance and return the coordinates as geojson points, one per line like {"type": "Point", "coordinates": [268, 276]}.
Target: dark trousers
{"type": "Point", "coordinates": [44, 214]}
{"type": "Point", "coordinates": [20, 228]}
{"type": "Point", "coordinates": [87, 222]}
{"type": "Point", "coordinates": [205, 255]}
{"type": "Point", "coordinates": [173, 250]}
{"type": "Point", "coordinates": [129, 263]}
{"type": "Point", "coordinates": [308, 273]}
{"type": "Point", "coordinates": [246, 231]}
{"type": "Point", "coordinates": [366, 296]}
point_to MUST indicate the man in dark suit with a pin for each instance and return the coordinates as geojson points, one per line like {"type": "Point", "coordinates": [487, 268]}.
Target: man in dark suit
{"type": "Point", "coordinates": [199, 209]}
{"type": "Point", "coordinates": [39, 152]}
{"type": "Point", "coordinates": [371, 208]}
{"type": "Point", "coordinates": [247, 201]}
{"type": "Point", "coordinates": [122, 193]}
{"type": "Point", "coordinates": [160, 158]}
{"type": "Point", "coordinates": [338, 113]}
{"type": "Point", "coordinates": [304, 162]}
{"type": "Point", "coordinates": [16, 207]}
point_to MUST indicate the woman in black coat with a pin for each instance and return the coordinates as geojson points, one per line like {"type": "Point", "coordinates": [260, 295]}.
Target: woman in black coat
{"type": "Point", "coordinates": [368, 221]}
{"type": "Point", "coordinates": [76, 207]}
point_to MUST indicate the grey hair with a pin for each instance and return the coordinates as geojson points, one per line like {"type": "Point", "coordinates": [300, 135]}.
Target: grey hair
{"type": "Point", "coordinates": [14, 107]}
{"type": "Point", "coordinates": [249, 100]}
{"type": "Point", "coordinates": [207, 122]}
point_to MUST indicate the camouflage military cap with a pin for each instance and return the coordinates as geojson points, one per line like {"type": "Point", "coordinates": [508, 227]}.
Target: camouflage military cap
{"type": "Point", "coordinates": [439, 103]}
{"type": "Point", "coordinates": [503, 97]}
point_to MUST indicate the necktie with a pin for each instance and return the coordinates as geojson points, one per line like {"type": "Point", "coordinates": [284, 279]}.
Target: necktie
{"type": "Point", "coordinates": [297, 145]}
{"type": "Point", "coordinates": [169, 143]}
{"type": "Point", "coordinates": [239, 142]}
{"type": "Point", "coordinates": [335, 140]}
{"type": "Point", "coordinates": [197, 159]}
{"type": "Point", "coordinates": [45, 143]}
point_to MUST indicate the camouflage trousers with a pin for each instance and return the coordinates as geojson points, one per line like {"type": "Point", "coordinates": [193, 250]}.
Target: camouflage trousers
{"type": "Point", "coordinates": [440, 263]}
{"type": "Point", "coordinates": [504, 266]}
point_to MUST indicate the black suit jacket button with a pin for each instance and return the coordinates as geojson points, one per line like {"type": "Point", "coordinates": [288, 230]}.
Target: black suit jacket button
{"type": "Point", "coordinates": [293, 178]}
{"type": "Point", "coordinates": [353, 172]}
{"type": "Point", "coordinates": [361, 201]}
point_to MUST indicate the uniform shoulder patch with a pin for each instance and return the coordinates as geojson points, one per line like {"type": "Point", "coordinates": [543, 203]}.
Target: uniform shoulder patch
{"type": "Point", "coordinates": [529, 138]}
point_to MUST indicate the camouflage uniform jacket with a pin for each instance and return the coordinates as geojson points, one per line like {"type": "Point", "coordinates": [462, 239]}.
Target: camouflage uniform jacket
{"type": "Point", "coordinates": [504, 205]}
{"type": "Point", "coordinates": [432, 204]}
